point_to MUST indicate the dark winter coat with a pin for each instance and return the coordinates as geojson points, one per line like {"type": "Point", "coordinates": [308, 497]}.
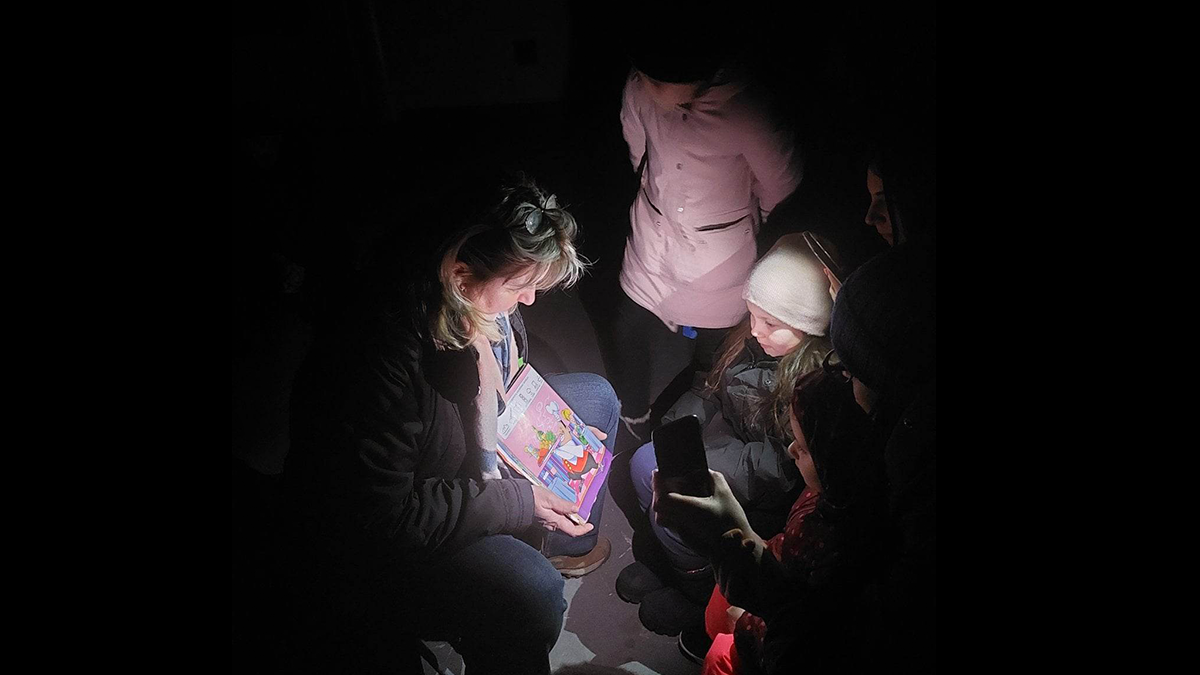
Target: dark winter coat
{"type": "Point", "coordinates": [754, 460]}
{"type": "Point", "coordinates": [379, 472]}
{"type": "Point", "coordinates": [909, 599]}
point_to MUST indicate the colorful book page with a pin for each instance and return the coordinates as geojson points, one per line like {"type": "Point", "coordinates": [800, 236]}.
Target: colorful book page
{"type": "Point", "coordinates": [541, 438]}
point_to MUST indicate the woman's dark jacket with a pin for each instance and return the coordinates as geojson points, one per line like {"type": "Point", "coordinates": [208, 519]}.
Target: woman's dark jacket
{"type": "Point", "coordinates": [379, 472]}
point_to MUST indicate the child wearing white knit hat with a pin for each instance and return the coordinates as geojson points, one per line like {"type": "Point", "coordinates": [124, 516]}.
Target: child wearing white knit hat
{"type": "Point", "coordinates": [743, 405]}
{"type": "Point", "coordinates": [789, 285]}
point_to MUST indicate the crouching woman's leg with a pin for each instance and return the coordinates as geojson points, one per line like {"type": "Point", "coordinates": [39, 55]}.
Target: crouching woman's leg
{"type": "Point", "coordinates": [498, 600]}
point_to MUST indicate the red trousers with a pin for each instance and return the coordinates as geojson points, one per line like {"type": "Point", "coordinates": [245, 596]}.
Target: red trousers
{"type": "Point", "coordinates": [722, 658]}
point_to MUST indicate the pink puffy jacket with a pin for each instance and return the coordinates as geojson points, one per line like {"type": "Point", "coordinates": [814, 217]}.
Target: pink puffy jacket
{"type": "Point", "coordinates": [714, 169]}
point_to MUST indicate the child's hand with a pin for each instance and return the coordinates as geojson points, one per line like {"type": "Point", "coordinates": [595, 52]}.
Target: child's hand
{"type": "Point", "coordinates": [699, 520]}
{"type": "Point", "coordinates": [737, 557]}
{"type": "Point", "coordinates": [732, 614]}
{"type": "Point", "coordinates": [834, 284]}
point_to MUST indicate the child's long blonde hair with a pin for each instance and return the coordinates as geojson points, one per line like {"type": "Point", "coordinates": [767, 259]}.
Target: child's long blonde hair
{"type": "Point", "coordinates": [771, 412]}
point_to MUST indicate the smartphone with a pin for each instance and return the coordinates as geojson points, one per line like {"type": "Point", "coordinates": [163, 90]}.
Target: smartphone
{"type": "Point", "coordinates": [826, 258]}
{"type": "Point", "coordinates": [679, 449]}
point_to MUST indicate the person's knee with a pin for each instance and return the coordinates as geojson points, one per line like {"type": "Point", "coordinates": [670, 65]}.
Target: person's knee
{"type": "Point", "coordinates": [611, 404]}
{"type": "Point", "coordinates": [601, 389]}
{"type": "Point", "coordinates": [541, 606]}
{"type": "Point", "coordinates": [519, 617]}
{"type": "Point", "coordinates": [606, 391]}
{"type": "Point", "coordinates": [641, 466]}
{"type": "Point", "coordinates": [591, 395]}
{"type": "Point", "coordinates": [510, 592]}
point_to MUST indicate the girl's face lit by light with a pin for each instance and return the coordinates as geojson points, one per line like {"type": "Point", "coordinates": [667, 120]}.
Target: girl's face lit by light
{"type": "Point", "coordinates": [776, 337]}
{"type": "Point", "coordinates": [799, 453]}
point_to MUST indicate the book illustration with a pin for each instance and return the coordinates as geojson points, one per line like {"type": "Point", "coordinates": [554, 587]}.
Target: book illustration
{"type": "Point", "coordinates": [541, 438]}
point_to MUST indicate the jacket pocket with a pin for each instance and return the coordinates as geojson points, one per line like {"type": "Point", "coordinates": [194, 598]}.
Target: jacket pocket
{"type": "Point", "coordinates": [721, 226]}
{"type": "Point", "coordinates": [650, 202]}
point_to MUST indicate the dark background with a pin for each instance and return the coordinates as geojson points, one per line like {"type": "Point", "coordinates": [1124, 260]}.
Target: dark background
{"type": "Point", "coordinates": [352, 117]}
{"type": "Point", "coordinates": [354, 121]}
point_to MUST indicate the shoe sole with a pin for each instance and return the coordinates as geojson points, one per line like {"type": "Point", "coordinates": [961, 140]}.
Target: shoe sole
{"type": "Point", "coordinates": [581, 571]}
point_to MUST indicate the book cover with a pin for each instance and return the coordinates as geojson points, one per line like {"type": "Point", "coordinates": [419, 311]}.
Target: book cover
{"type": "Point", "coordinates": [541, 438]}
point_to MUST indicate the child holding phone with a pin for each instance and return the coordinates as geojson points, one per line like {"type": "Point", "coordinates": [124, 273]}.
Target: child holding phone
{"type": "Point", "coordinates": [806, 578]}
{"type": "Point", "coordinates": [741, 406]}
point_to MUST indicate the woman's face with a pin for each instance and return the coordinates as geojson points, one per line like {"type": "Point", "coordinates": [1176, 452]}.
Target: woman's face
{"type": "Point", "coordinates": [877, 213]}
{"type": "Point", "coordinates": [776, 337]}
{"type": "Point", "coordinates": [501, 295]}
{"type": "Point", "coordinates": [864, 395]}
{"type": "Point", "coordinates": [798, 451]}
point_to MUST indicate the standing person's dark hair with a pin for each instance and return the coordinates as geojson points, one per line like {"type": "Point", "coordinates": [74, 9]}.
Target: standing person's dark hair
{"type": "Point", "coordinates": [901, 178]}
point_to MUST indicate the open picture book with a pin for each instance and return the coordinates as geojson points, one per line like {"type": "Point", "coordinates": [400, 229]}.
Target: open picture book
{"type": "Point", "coordinates": [542, 439]}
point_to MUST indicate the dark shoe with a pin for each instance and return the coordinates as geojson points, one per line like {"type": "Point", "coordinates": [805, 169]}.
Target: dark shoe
{"type": "Point", "coordinates": [667, 611]}
{"type": "Point", "coordinates": [577, 566]}
{"type": "Point", "coordinates": [694, 643]}
{"type": "Point", "coordinates": [637, 581]}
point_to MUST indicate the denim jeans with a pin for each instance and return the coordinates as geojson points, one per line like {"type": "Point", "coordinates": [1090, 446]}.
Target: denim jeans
{"type": "Point", "coordinates": [681, 556]}
{"type": "Point", "coordinates": [593, 399]}
{"type": "Point", "coordinates": [499, 601]}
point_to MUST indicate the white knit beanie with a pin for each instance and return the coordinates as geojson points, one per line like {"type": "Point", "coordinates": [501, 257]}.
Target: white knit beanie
{"type": "Point", "coordinates": [789, 283]}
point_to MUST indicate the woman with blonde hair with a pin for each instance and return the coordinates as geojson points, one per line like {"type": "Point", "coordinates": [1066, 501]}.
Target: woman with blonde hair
{"type": "Point", "coordinates": [406, 526]}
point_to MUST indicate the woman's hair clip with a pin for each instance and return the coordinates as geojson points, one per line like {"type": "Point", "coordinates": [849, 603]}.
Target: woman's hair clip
{"type": "Point", "coordinates": [534, 220]}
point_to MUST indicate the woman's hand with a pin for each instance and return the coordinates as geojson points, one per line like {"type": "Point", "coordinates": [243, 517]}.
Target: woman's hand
{"type": "Point", "coordinates": [551, 511]}
{"type": "Point", "coordinates": [700, 521]}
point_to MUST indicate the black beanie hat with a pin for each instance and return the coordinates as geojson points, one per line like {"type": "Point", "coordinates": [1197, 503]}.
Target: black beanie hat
{"type": "Point", "coordinates": [674, 66]}
{"type": "Point", "coordinates": [684, 47]}
{"type": "Point", "coordinates": [883, 321]}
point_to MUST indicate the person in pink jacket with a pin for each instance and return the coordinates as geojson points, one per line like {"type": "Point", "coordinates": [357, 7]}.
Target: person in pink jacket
{"type": "Point", "coordinates": [712, 161]}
